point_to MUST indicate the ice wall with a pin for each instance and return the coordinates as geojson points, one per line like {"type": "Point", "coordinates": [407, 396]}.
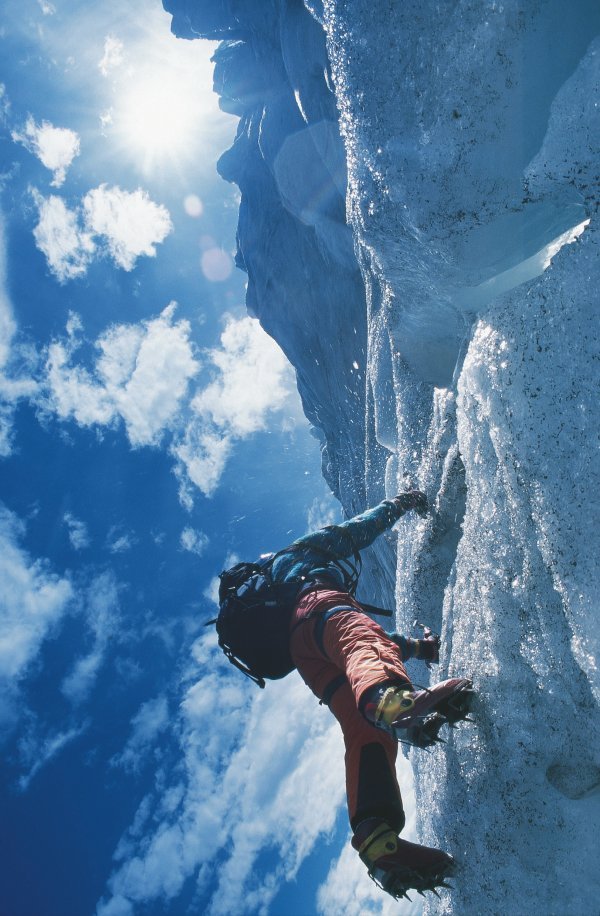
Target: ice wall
{"type": "Point", "coordinates": [449, 340]}
{"type": "Point", "coordinates": [288, 160]}
{"type": "Point", "coordinates": [293, 240]}
{"type": "Point", "coordinates": [473, 141]}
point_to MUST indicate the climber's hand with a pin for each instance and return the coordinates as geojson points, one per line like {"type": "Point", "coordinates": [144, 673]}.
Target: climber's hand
{"type": "Point", "coordinates": [429, 649]}
{"type": "Point", "coordinates": [412, 499]}
{"type": "Point", "coordinates": [429, 645]}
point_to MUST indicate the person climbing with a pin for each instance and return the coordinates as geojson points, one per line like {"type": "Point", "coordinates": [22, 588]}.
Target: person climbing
{"type": "Point", "coordinates": [357, 669]}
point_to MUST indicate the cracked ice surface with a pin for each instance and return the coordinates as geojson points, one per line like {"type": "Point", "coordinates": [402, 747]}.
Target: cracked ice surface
{"type": "Point", "coordinates": [473, 140]}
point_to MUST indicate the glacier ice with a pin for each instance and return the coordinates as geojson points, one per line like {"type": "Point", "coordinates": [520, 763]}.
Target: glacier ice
{"type": "Point", "coordinates": [418, 221]}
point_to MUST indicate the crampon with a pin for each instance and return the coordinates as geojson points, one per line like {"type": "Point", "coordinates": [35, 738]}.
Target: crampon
{"type": "Point", "coordinates": [450, 711]}
{"type": "Point", "coordinates": [398, 866]}
{"type": "Point", "coordinates": [400, 881]}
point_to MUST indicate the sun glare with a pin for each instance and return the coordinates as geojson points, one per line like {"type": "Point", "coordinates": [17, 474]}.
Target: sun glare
{"type": "Point", "coordinates": [163, 107]}
{"type": "Point", "coordinates": [157, 117]}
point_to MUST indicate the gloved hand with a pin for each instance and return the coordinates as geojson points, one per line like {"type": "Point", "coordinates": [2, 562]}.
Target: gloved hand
{"type": "Point", "coordinates": [429, 649]}
{"type": "Point", "coordinates": [412, 499]}
{"type": "Point", "coordinates": [429, 646]}
{"type": "Point", "coordinates": [426, 649]}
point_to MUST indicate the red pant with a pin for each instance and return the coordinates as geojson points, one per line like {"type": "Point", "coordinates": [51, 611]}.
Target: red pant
{"type": "Point", "coordinates": [340, 659]}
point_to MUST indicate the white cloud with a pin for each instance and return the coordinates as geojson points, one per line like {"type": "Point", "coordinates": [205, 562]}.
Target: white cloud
{"type": "Point", "coordinates": [120, 543]}
{"type": "Point", "coordinates": [252, 381]}
{"type": "Point", "coordinates": [7, 331]}
{"type": "Point", "coordinates": [55, 147]}
{"type": "Point", "coordinates": [323, 511]}
{"type": "Point", "coordinates": [4, 103]}
{"type": "Point", "coordinates": [78, 533]}
{"type": "Point", "coordinates": [242, 789]}
{"type": "Point", "coordinates": [36, 752]}
{"type": "Point", "coordinates": [47, 8]}
{"type": "Point", "coordinates": [106, 119]}
{"type": "Point", "coordinates": [32, 600]}
{"type": "Point", "coordinates": [149, 722]}
{"type": "Point", "coordinates": [148, 389]}
{"type": "Point", "coordinates": [102, 613]}
{"type": "Point", "coordinates": [74, 325]}
{"type": "Point", "coordinates": [202, 455]}
{"type": "Point", "coordinates": [73, 392]}
{"type": "Point", "coordinates": [141, 376]}
{"type": "Point", "coordinates": [113, 55]}
{"type": "Point", "coordinates": [15, 359]}
{"type": "Point", "coordinates": [194, 541]}
{"type": "Point", "coordinates": [262, 775]}
{"type": "Point", "coordinates": [131, 223]}
{"type": "Point", "coordinates": [348, 891]}
{"type": "Point", "coordinates": [125, 225]}
{"type": "Point", "coordinates": [68, 247]}
{"type": "Point", "coordinates": [212, 590]}
{"type": "Point", "coordinates": [7, 416]}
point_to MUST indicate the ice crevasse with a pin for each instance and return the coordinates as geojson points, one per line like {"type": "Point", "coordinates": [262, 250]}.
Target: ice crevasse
{"type": "Point", "coordinates": [419, 223]}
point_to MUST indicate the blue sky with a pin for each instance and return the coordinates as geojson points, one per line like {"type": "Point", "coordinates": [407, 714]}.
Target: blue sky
{"type": "Point", "coordinates": [149, 433]}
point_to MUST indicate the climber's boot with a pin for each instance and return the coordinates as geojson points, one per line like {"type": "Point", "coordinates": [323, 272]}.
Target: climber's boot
{"type": "Point", "coordinates": [401, 707]}
{"type": "Point", "coordinates": [398, 866]}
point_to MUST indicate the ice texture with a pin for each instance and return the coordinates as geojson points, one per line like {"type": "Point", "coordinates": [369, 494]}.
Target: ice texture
{"type": "Point", "coordinates": [473, 142]}
{"type": "Point", "coordinates": [419, 224]}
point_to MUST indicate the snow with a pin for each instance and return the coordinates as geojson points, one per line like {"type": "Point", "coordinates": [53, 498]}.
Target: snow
{"type": "Point", "coordinates": [462, 358]}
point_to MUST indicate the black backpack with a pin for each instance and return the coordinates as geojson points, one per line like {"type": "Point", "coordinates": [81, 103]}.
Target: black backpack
{"type": "Point", "coordinates": [254, 615]}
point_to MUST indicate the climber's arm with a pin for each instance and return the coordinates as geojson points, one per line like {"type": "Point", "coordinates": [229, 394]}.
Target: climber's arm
{"type": "Point", "coordinates": [359, 532]}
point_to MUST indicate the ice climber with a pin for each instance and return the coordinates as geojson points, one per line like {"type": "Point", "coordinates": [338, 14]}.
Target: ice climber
{"type": "Point", "coordinates": [353, 666]}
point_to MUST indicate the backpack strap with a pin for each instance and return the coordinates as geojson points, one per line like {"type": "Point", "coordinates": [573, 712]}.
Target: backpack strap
{"type": "Point", "coordinates": [240, 665]}
{"type": "Point", "coordinates": [331, 689]}
{"type": "Point", "coordinates": [350, 569]}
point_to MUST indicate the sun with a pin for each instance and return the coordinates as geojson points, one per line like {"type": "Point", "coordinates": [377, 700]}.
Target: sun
{"type": "Point", "coordinates": [164, 110]}
{"type": "Point", "coordinates": [157, 119]}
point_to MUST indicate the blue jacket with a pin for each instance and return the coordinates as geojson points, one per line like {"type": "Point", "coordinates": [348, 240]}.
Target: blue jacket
{"type": "Point", "coordinates": [307, 556]}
